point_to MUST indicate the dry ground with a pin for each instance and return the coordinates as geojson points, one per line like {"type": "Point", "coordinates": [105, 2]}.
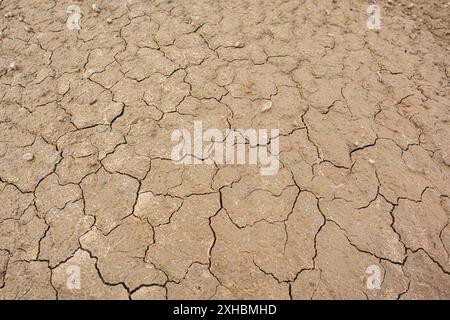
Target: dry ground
{"type": "Point", "coordinates": [86, 178]}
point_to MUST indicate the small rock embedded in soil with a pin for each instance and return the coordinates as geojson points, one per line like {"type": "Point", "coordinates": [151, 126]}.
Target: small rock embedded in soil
{"type": "Point", "coordinates": [93, 101]}
{"type": "Point", "coordinates": [267, 105]}
{"type": "Point", "coordinates": [109, 21]}
{"type": "Point", "coordinates": [28, 156]}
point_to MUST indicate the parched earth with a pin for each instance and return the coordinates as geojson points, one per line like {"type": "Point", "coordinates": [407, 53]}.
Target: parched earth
{"type": "Point", "coordinates": [87, 181]}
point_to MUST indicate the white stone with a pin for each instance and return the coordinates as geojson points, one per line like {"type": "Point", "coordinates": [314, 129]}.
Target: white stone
{"type": "Point", "coordinates": [28, 156]}
{"type": "Point", "coordinates": [267, 105]}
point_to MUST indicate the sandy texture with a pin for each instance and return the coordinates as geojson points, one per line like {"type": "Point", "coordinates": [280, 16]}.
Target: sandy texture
{"type": "Point", "coordinates": [87, 184]}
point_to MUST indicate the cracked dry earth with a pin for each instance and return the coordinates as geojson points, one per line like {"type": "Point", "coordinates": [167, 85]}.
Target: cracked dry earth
{"type": "Point", "coordinates": [86, 178]}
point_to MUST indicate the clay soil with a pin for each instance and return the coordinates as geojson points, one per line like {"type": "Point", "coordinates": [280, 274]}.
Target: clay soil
{"type": "Point", "coordinates": [87, 181]}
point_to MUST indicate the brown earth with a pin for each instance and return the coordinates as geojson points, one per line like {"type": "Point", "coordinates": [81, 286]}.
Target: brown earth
{"type": "Point", "coordinates": [86, 178]}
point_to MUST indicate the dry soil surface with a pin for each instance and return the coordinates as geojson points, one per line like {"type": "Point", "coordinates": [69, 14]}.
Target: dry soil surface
{"type": "Point", "coordinates": [86, 179]}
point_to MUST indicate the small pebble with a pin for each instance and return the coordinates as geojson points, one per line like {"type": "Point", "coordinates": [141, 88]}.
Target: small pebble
{"type": "Point", "coordinates": [12, 66]}
{"type": "Point", "coordinates": [96, 8]}
{"type": "Point", "coordinates": [267, 105]}
{"type": "Point", "coordinates": [28, 29]}
{"type": "Point", "coordinates": [410, 6]}
{"type": "Point", "coordinates": [380, 78]}
{"type": "Point", "coordinates": [28, 156]}
{"type": "Point", "coordinates": [20, 18]}
{"type": "Point", "coordinates": [371, 161]}
{"type": "Point", "coordinates": [109, 20]}
{"type": "Point", "coordinates": [93, 101]}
